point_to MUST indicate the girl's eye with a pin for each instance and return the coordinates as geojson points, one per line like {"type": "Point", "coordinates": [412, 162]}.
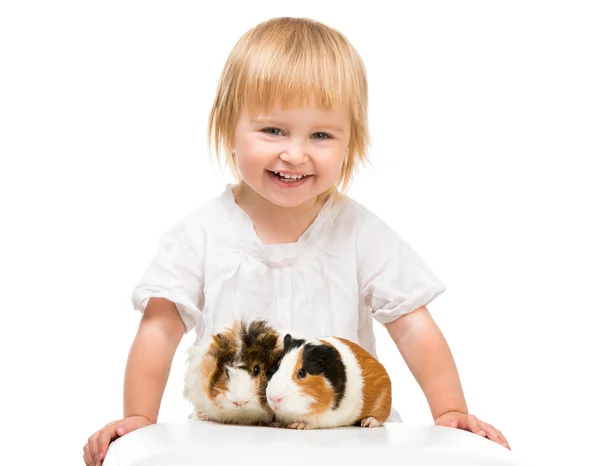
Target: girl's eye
{"type": "Point", "coordinates": [277, 132]}
{"type": "Point", "coordinates": [272, 131]}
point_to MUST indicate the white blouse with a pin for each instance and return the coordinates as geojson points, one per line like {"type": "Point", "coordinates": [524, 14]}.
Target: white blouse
{"type": "Point", "coordinates": [346, 270]}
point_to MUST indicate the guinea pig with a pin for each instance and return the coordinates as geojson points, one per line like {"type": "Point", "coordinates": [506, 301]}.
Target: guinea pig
{"type": "Point", "coordinates": [328, 382]}
{"type": "Point", "coordinates": [226, 379]}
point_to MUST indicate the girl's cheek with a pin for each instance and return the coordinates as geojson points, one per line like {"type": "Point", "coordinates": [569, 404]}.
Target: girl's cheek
{"type": "Point", "coordinates": [330, 155]}
{"type": "Point", "coordinates": [259, 146]}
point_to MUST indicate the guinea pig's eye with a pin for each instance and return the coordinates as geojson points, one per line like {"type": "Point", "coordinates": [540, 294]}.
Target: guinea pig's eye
{"type": "Point", "coordinates": [227, 372]}
{"type": "Point", "coordinates": [301, 373]}
{"type": "Point", "coordinates": [256, 370]}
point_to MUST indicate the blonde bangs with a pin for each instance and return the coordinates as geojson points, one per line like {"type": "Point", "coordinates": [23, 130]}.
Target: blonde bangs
{"type": "Point", "coordinates": [291, 62]}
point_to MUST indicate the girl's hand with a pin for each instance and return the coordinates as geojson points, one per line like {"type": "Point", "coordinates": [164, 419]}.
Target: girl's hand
{"type": "Point", "coordinates": [471, 423]}
{"type": "Point", "coordinates": [95, 450]}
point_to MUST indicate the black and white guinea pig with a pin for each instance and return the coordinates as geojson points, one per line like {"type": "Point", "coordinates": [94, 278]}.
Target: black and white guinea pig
{"type": "Point", "coordinates": [226, 379]}
{"type": "Point", "coordinates": [328, 382]}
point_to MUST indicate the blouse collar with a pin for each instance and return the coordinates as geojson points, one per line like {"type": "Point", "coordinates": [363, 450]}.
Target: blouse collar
{"type": "Point", "coordinates": [279, 254]}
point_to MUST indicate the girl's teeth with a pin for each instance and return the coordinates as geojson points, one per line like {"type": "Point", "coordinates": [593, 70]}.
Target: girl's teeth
{"type": "Point", "coordinates": [290, 177]}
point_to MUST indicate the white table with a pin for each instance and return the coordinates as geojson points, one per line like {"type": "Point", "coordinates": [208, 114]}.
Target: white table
{"type": "Point", "coordinates": [198, 443]}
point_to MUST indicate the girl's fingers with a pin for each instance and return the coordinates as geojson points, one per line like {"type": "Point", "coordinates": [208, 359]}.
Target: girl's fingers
{"type": "Point", "coordinates": [93, 447]}
{"type": "Point", "coordinates": [502, 439]}
{"type": "Point", "coordinates": [495, 435]}
{"type": "Point", "coordinates": [110, 433]}
{"type": "Point", "coordinates": [95, 450]}
{"type": "Point", "coordinates": [87, 457]}
{"type": "Point", "coordinates": [492, 433]}
{"type": "Point", "coordinates": [106, 436]}
{"type": "Point", "coordinates": [471, 423]}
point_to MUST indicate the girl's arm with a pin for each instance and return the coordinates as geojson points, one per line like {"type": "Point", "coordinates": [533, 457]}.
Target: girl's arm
{"type": "Point", "coordinates": [148, 366]}
{"type": "Point", "coordinates": [150, 359]}
{"type": "Point", "coordinates": [429, 359]}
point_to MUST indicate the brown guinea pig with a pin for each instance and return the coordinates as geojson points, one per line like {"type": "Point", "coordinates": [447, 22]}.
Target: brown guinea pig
{"type": "Point", "coordinates": [328, 382]}
{"type": "Point", "coordinates": [226, 379]}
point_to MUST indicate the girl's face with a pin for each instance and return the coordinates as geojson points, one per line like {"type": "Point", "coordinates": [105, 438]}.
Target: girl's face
{"type": "Point", "coordinates": [291, 156]}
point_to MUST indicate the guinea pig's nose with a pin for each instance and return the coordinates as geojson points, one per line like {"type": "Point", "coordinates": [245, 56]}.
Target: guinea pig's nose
{"type": "Point", "coordinates": [275, 399]}
{"type": "Point", "coordinates": [240, 403]}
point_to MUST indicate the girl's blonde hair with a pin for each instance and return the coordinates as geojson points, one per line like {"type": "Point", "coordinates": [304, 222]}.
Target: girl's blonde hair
{"type": "Point", "coordinates": [291, 61]}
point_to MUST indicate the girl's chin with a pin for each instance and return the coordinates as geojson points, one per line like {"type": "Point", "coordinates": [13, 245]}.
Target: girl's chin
{"type": "Point", "coordinates": [285, 201]}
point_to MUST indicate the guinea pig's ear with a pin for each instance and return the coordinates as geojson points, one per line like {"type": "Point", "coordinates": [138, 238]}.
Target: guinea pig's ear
{"type": "Point", "coordinates": [219, 339]}
{"type": "Point", "coordinates": [287, 342]}
{"type": "Point", "coordinates": [290, 342]}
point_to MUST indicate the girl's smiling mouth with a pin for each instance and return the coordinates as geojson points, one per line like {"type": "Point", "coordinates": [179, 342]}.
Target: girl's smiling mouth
{"type": "Point", "coordinates": [288, 178]}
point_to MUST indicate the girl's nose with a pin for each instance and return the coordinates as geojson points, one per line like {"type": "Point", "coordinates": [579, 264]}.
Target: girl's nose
{"type": "Point", "coordinates": [294, 154]}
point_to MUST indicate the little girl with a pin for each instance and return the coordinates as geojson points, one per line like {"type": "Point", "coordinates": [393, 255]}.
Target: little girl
{"type": "Point", "coordinates": [284, 243]}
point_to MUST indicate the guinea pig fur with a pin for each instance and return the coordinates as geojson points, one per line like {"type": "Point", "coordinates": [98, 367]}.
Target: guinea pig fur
{"type": "Point", "coordinates": [226, 379]}
{"type": "Point", "coordinates": [328, 382]}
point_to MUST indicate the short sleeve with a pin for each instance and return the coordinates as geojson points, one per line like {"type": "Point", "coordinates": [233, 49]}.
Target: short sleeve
{"type": "Point", "coordinates": [394, 280]}
{"type": "Point", "coordinates": [176, 273]}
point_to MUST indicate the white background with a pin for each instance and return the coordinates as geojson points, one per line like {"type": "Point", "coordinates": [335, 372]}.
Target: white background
{"type": "Point", "coordinates": [485, 119]}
